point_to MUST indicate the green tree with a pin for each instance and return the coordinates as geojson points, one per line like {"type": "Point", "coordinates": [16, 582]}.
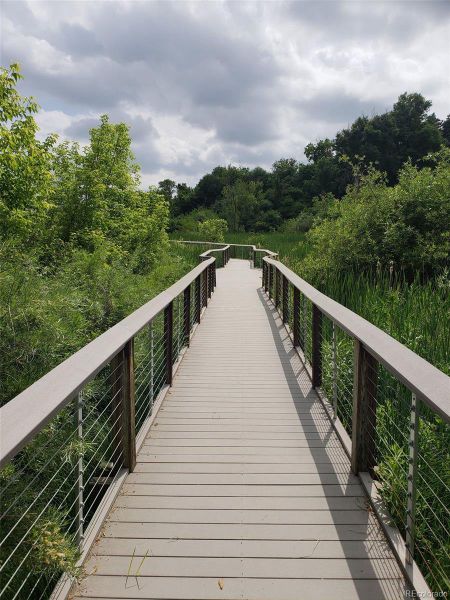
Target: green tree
{"type": "Point", "coordinates": [212, 230]}
{"type": "Point", "coordinates": [168, 188]}
{"type": "Point", "coordinates": [387, 141]}
{"type": "Point", "coordinates": [240, 203]}
{"type": "Point", "coordinates": [25, 164]}
{"type": "Point", "coordinates": [405, 225]}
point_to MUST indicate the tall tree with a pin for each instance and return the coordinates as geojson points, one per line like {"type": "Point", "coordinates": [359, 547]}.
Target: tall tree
{"type": "Point", "coordinates": [25, 167]}
{"type": "Point", "coordinates": [240, 204]}
{"type": "Point", "coordinates": [408, 131]}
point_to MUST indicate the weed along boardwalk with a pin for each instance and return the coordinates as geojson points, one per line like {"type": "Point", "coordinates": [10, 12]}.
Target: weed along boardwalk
{"type": "Point", "coordinates": [242, 488]}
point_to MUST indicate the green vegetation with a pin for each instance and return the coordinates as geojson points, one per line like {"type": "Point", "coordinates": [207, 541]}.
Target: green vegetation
{"type": "Point", "coordinates": [293, 193]}
{"type": "Point", "coordinates": [365, 219]}
{"type": "Point", "coordinates": [81, 246]}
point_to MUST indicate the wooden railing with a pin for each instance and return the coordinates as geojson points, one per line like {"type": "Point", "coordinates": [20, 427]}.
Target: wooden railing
{"type": "Point", "coordinates": [239, 251]}
{"type": "Point", "coordinates": [391, 409]}
{"type": "Point", "coordinates": [69, 439]}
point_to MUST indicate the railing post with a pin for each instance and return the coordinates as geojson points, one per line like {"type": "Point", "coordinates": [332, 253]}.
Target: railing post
{"type": "Point", "coordinates": [277, 288]}
{"type": "Point", "coordinates": [364, 409]}
{"type": "Point", "coordinates": [412, 479]}
{"type": "Point", "coordinates": [198, 298]}
{"type": "Point", "coordinates": [123, 407]}
{"type": "Point", "coordinates": [128, 414]}
{"type": "Point", "coordinates": [168, 339]}
{"type": "Point", "coordinates": [205, 288]}
{"type": "Point", "coordinates": [296, 325]}
{"type": "Point", "coordinates": [316, 346]}
{"type": "Point", "coordinates": [264, 276]}
{"type": "Point", "coordinates": [187, 314]}
{"type": "Point", "coordinates": [80, 472]}
{"type": "Point", "coordinates": [269, 279]}
{"type": "Point", "coordinates": [210, 280]}
{"type": "Point", "coordinates": [285, 300]}
{"type": "Point", "coordinates": [335, 373]}
{"type": "Point", "coordinates": [151, 389]}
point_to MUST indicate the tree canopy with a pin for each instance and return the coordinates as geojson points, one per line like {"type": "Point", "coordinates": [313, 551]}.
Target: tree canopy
{"type": "Point", "coordinates": [290, 190]}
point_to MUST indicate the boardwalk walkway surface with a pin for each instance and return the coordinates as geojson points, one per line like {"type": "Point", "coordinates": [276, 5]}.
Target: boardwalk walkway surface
{"type": "Point", "coordinates": [242, 488]}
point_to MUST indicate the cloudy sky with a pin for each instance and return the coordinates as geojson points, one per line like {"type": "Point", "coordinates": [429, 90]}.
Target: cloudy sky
{"type": "Point", "coordinates": [207, 83]}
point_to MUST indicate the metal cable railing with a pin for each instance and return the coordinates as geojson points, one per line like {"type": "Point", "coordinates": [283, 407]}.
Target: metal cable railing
{"type": "Point", "coordinates": [68, 438]}
{"type": "Point", "coordinates": [64, 450]}
{"type": "Point", "coordinates": [394, 408]}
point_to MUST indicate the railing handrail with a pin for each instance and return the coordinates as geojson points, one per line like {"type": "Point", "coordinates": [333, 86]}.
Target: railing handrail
{"type": "Point", "coordinates": [26, 414]}
{"type": "Point", "coordinates": [252, 246]}
{"type": "Point", "coordinates": [207, 253]}
{"type": "Point", "coordinates": [430, 384]}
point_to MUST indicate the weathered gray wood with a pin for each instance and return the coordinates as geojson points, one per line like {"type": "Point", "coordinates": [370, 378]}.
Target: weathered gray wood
{"type": "Point", "coordinates": [123, 408]}
{"type": "Point", "coordinates": [364, 410]}
{"type": "Point", "coordinates": [326, 504]}
{"type": "Point", "coordinates": [243, 490]}
{"type": "Point", "coordinates": [242, 468]}
{"type": "Point", "coordinates": [181, 588]}
{"type": "Point", "coordinates": [282, 479]}
{"type": "Point", "coordinates": [241, 479]}
{"type": "Point", "coordinates": [263, 517]}
{"type": "Point", "coordinates": [248, 567]}
{"type": "Point", "coordinates": [241, 531]}
{"type": "Point", "coordinates": [248, 548]}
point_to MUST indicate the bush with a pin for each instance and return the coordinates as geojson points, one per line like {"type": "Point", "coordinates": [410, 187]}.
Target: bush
{"type": "Point", "coordinates": [212, 230]}
{"type": "Point", "coordinates": [405, 225]}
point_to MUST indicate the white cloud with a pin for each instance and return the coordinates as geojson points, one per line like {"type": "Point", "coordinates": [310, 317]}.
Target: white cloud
{"type": "Point", "coordinates": [203, 83]}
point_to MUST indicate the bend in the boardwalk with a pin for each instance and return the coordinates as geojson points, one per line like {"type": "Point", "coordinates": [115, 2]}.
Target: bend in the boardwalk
{"type": "Point", "coordinates": [242, 488]}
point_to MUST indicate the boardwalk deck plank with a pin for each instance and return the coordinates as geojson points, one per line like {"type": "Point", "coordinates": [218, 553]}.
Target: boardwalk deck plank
{"type": "Point", "coordinates": [242, 488]}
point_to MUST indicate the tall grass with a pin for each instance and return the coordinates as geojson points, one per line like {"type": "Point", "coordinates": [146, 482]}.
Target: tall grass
{"type": "Point", "coordinates": [417, 314]}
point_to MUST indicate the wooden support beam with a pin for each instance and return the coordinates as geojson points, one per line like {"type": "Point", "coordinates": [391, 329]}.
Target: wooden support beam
{"type": "Point", "coordinates": [277, 288]}
{"type": "Point", "coordinates": [123, 429]}
{"type": "Point", "coordinates": [285, 299]}
{"type": "Point", "coordinates": [198, 298]}
{"type": "Point", "coordinates": [364, 409]}
{"type": "Point", "coordinates": [296, 317]}
{"type": "Point", "coordinates": [168, 341]}
{"type": "Point", "coordinates": [187, 314]}
{"type": "Point", "coordinates": [316, 346]}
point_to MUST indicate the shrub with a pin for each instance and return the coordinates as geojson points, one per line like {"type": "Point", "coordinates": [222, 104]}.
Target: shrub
{"type": "Point", "coordinates": [212, 230]}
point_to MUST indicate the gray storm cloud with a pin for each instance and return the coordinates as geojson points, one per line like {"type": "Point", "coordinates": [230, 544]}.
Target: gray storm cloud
{"type": "Point", "coordinates": [201, 83]}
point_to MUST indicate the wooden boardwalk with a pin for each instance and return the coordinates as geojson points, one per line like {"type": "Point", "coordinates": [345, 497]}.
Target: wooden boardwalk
{"type": "Point", "coordinates": [242, 489]}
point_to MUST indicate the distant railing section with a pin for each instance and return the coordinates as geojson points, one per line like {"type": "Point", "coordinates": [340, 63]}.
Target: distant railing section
{"type": "Point", "coordinates": [392, 410]}
{"type": "Point", "coordinates": [240, 251]}
{"type": "Point", "coordinates": [69, 439]}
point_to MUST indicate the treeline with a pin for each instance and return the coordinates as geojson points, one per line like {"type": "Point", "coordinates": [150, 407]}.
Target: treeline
{"type": "Point", "coordinates": [79, 239]}
{"type": "Point", "coordinates": [293, 193]}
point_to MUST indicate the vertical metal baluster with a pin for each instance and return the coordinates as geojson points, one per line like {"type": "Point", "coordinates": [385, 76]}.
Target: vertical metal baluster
{"type": "Point", "coordinates": [80, 471]}
{"type": "Point", "coordinates": [412, 479]}
{"type": "Point", "coordinates": [334, 372]}
{"type": "Point", "coordinates": [152, 369]}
